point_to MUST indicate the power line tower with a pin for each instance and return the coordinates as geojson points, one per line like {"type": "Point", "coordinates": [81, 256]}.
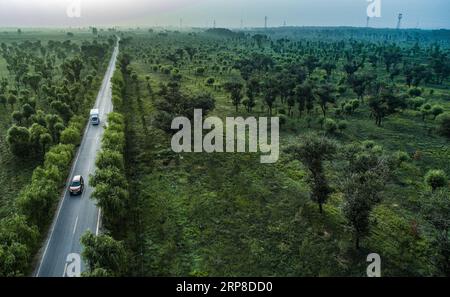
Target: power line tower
{"type": "Point", "coordinates": [214, 24]}
{"type": "Point", "coordinates": [399, 23]}
{"type": "Point", "coordinates": [367, 22]}
{"type": "Point", "coordinates": [181, 24]}
{"type": "Point", "coordinates": [242, 24]}
{"type": "Point", "coordinates": [265, 22]}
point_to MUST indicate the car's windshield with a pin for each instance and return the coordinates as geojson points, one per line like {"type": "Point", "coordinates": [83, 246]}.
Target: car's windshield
{"type": "Point", "coordinates": [75, 184]}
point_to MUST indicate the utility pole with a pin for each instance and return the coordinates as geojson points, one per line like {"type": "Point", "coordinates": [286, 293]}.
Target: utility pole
{"type": "Point", "coordinates": [400, 17]}
{"type": "Point", "coordinates": [265, 22]}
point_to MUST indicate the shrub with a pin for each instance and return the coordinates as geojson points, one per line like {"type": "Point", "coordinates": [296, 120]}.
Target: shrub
{"type": "Point", "coordinates": [437, 110]}
{"type": "Point", "coordinates": [415, 103]}
{"type": "Point", "coordinates": [436, 179]}
{"type": "Point", "coordinates": [443, 121]}
{"type": "Point", "coordinates": [348, 108]}
{"type": "Point", "coordinates": [210, 81]}
{"type": "Point", "coordinates": [355, 104]}
{"type": "Point", "coordinates": [342, 125]}
{"type": "Point", "coordinates": [415, 92]}
{"type": "Point", "coordinates": [200, 71]}
{"type": "Point", "coordinates": [330, 126]}
{"type": "Point", "coordinates": [402, 157]}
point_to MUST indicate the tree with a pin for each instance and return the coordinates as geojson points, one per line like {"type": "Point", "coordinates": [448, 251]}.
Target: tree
{"type": "Point", "coordinates": [305, 96]}
{"type": "Point", "coordinates": [63, 109]}
{"type": "Point", "coordinates": [435, 208]}
{"type": "Point", "coordinates": [363, 184]}
{"type": "Point", "coordinates": [103, 253]}
{"type": "Point", "coordinates": [55, 125]}
{"type": "Point", "coordinates": [235, 89]}
{"type": "Point", "coordinates": [17, 116]}
{"type": "Point", "coordinates": [386, 102]}
{"type": "Point", "coordinates": [436, 179]}
{"type": "Point", "coordinates": [70, 135]}
{"type": "Point", "coordinates": [36, 131]}
{"type": "Point", "coordinates": [109, 158]}
{"type": "Point", "coordinates": [328, 66]}
{"type": "Point", "coordinates": [270, 93]}
{"type": "Point", "coordinates": [17, 243]}
{"type": "Point", "coordinates": [112, 199]}
{"type": "Point", "coordinates": [325, 94]}
{"type": "Point", "coordinates": [3, 100]}
{"type": "Point", "coordinates": [72, 69]}
{"type": "Point", "coordinates": [27, 111]}
{"type": "Point", "coordinates": [45, 140]}
{"type": "Point", "coordinates": [18, 139]}
{"type": "Point", "coordinates": [359, 83]}
{"type": "Point", "coordinates": [12, 100]}
{"type": "Point", "coordinates": [312, 151]}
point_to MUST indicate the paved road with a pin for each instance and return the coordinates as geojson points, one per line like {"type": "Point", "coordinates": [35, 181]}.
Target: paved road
{"type": "Point", "coordinates": [77, 214]}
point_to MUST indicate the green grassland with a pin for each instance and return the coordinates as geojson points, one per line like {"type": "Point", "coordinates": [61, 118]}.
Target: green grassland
{"type": "Point", "coordinates": [229, 215]}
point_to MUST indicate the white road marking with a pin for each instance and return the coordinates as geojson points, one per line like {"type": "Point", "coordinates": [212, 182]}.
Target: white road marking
{"type": "Point", "coordinates": [75, 226]}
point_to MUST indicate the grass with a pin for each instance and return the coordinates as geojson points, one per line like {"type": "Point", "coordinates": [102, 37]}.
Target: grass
{"type": "Point", "coordinates": [228, 215]}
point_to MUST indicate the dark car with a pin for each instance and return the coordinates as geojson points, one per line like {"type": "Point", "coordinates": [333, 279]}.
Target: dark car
{"type": "Point", "coordinates": [77, 185]}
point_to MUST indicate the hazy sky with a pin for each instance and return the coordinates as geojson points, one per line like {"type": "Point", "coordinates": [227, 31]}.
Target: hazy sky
{"type": "Point", "coordinates": [226, 13]}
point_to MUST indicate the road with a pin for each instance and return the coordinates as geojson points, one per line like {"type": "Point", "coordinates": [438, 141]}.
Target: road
{"type": "Point", "coordinates": [77, 214]}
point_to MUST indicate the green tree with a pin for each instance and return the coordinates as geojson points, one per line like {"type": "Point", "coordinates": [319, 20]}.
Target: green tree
{"type": "Point", "coordinates": [12, 100]}
{"type": "Point", "coordinates": [436, 208]}
{"type": "Point", "coordinates": [325, 94]}
{"type": "Point", "coordinates": [45, 140]}
{"type": "Point", "coordinates": [70, 135]}
{"type": "Point", "coordinates": [364, 180]}
{"type": "Point", "coordinates": [235, 90]}
{"type": "Point", "coordinates": [104, 255]}
{"type": "Point", "coordinates": [18, 139]}
{"type": "Point", "coordinates": [312, 151]}
{"type": "Point", "coordinates": [18, 241]}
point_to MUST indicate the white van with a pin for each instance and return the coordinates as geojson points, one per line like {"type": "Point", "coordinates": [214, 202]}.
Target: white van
{"type": "Point", "coordinates": [95, 117]}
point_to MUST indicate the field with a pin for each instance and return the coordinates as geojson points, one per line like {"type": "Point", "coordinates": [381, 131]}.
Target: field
{"type": "Point", "coordinates": [227, 214]}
